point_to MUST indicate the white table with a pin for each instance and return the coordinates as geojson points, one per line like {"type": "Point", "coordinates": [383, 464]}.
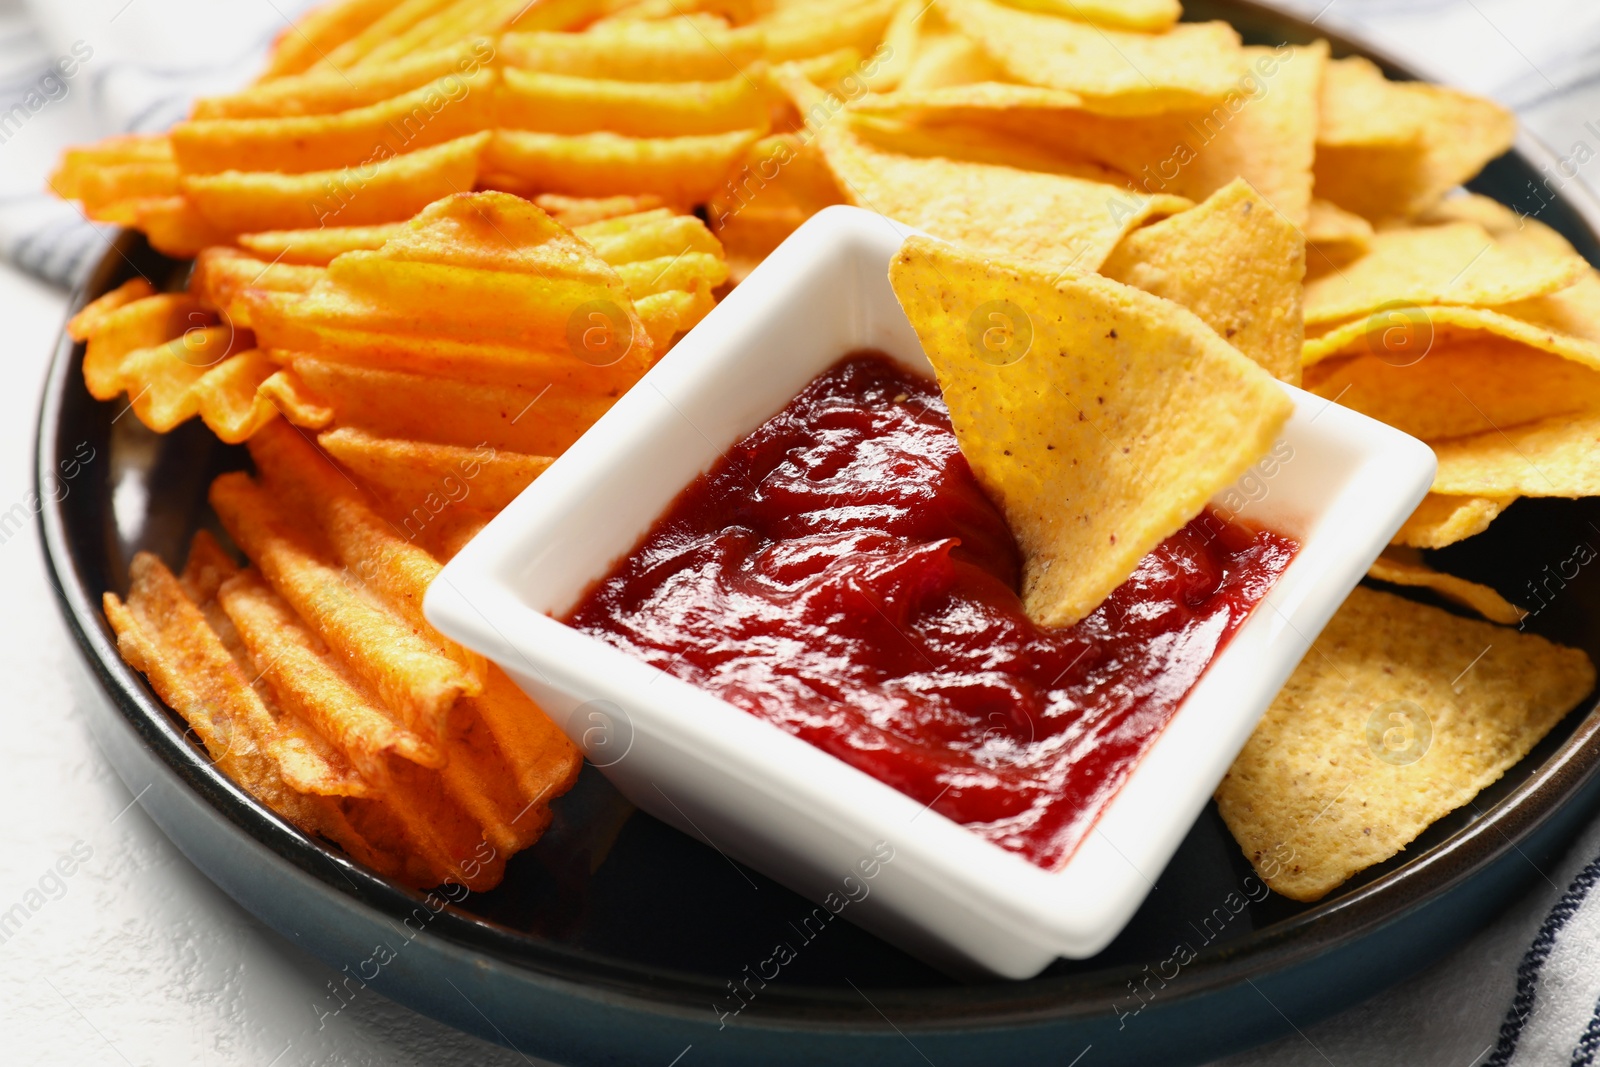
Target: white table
{"type": "Point", "coordinates": [137, 959]}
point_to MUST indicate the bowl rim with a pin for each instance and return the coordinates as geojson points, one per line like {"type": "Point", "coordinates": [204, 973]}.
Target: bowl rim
{"type": "Point", "coordinates": [1387, 900]}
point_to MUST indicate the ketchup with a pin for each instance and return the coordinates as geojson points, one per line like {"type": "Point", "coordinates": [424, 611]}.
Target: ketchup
{"type": "Point", "coordinates": [841, 574]}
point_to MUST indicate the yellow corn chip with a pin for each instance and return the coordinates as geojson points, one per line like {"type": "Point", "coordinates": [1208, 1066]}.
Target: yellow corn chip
{"type": "Point", "coordinates": [1404, 566]}
{"type": "Point", "coordinates": [1131, 73]}
{"type": "Point", "coordinates": [1388, 150]}
{"type": "Point", "coordinates": [1099, 418]}
{"type": "Point", "coordinates": [1454, 263]}
{"type": "Point", "coordinates": [1459, 388]}
{"type": "Point", "coordinates": [1558, 456]}
{"type": "Point", "coordinates": [1335, 236]}
{"type": "Point", "coordinates": [1234, 262]}
{"type": "Point", "coordinates": [1400, 714]}
{"type": "Point", "coordinates": [1443, 520]}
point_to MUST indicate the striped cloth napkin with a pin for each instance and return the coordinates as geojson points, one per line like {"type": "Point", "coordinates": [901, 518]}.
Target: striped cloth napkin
{"type": "Point", "coordinates": [1525, 992]}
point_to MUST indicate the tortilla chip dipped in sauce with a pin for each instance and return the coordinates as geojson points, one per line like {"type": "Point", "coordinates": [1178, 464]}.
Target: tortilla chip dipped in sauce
{"type": "Point", "coordinates": [1098, 417]}
{"type": "Point", "coordinates": [843, 574]}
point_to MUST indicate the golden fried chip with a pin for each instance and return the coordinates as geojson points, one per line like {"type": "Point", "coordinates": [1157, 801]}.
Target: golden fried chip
{"type": "Point", "coordinates": [1057, 218]}
{"type": "Point", "coordinates": [378, 646]}
{"type": "Point", "coordinates": [227, 396]}
{"type": "Point", "coordinates": [1335, 236]}
{"type": "Point", "coordinates": [1233, 261]}
{"type": "Point", "coordinates": [1459, 388]}
{"type": "Point", "coordinates": [392, 570]}
{"type": "Point", "coordinates": [678, 49]}
{"type": "Point", "coordinates": [1443, 520]}
{"type": "Point", "coordinates": [304, 676]}
{"type": "Point", "coordinates": [1454, 263]}
{"type": "Point", "coordinates": [432, 114]}
{"type": "Point", "coordinates": [1558, 456]}
{"type": "Point", "coordinates": [317, 247]}
{"type": "Point", "coordinates": [165, 634]}
{"type": "Point", "coordinates": [409, 472]}
{"type": "Point", "coordinates": [91, 319]}
{"type": "Point", "coordinates": [1388, 150]}
{"type": "Point", "coordinates": [1262, 130]}
{"type": "Point", "coordinates": [1404, 566]}
{"type": "Point", "coordinates": [1100, 418]}
{"type": "Point", "coordinates": [562, 103]}
{"type": "Point", "coordinates": [221, 274]}
{"type": "Point", "coordinates": [114, 333]}
{"type": "Point", "coordinates": [174, 226]}
{"type": "Point", "coordinates": [561, 313]}
{"type": "Point", "coordinates": [1565, 323]}
{"type": "Point", "coordinates": [680, 170]}
{"type": "Point", "coordinates": [388, 188]}
{"type": "Point", "coordinates": [815, 29]}
{"type": "Point", "coordinates": [575, 211]}
{"type": "Point", "coordinates": [327, 92]}
{"type": "Point", "coordinates": [672, 312]}
{"type": "Point", "coordinates": [1400, 714]}
{"type": "Point", "coordinates": [319, 31]}
{"type": "Point", "coordinates": [781, 183]}
{"type": "Point", "coordinates": [1192, 64]}
{"type": "Point", "coordinates": [161, 381]}
{"type": "Point", "coordinates": [532, 417]}
{"type": "Point", "coordinates": [1150, 16]}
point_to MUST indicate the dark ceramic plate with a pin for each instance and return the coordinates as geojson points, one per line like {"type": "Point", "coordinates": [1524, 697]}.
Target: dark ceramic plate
{"type": "Point", "coordinates": [616, 939]}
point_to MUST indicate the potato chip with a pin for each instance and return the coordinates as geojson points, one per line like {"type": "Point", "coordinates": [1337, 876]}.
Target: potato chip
{"type": "Point", "coordinates": [1558, 456]}
{"type": "Point", "coordinates": [164, 635]}
{"type": "Point", "coordinates": [112, 333]}
{"type": "Point", "coordinates": [1454, 263]}
{"type": "Point", "coordinates": [319, 31]}
{"type": "Point", "coordinates": [1194, 63]}
{"type": "Point", "coordinates": [117, 168]}
{"type": "Point", "coordinates": [1400, 714]}
{"type": "Point", "coordinates": [326, 92]}
{"type": "Point", "coordinates": [680, 170]}
{"type": "Point", "coordinates": [1150, 16]}
{"type": "Point", "coordinates": [1444, 520]}
{"type": "Point", "coordinates": [415, 303]}
{"type": "Point", "coordinates": [407, 472]}
{"type": "Point", "coordinates": [562, 103]}
{"type": "Point", "coordinates": [378, 646]}
{"type": "Point", "coordinates": [392, 570]}
{"type": "Point", "coordinates": [174, 226]}
{"type": "Point", "coordinates": [532, 418]}
{"type": "Point", "coordinates": [678, 49]}
{"type": "Point", "coordinates": [227, 396]}
{"type": "Point", "coordinates": [393, 24]}
{"type": "Point", "coordinates": [1404, 566]}
{"type": "Point", "coordinates": [826, 26]}
{"type": "Point", "coordinates": [781, 183]}
{"type": "Point", "coordinates": [221, 274]}
{"type": "Point", "coordinates": [575, 211]}
{"type": "Point", "coordinates": [1458, 388]}
{"type": "Point", "coordinates": [1234, 262]}
{"type": "Point", "coordinates": [673, 312]}
{"type": "Point", "coordinates": [389, 188]}
{"type": "Point", "coordinates": [163, 383]}
{"type": "Point", "coordinates": [317, 247]}
{"type": "Point", "coordinates": [299, 670]}
{"type": "Point", "coordinates": [1100, 418]}
{"type": "Point", "coordinates": [432, 114]}
{"type": "Point", "coordinates": [463, 19]}
{"type": "Point", "coordinates": [1367, 164]}
{"type": "Point", "coordinates": [91, 319]}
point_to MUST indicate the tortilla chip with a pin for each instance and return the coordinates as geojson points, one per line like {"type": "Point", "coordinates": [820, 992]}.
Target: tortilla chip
{"type": "Point", "coordinates": [1334, 236]}
{"type": "Point", "coordinates": [1404, 566]}
{"type": "Point", "coordinates": [1234, 262]}
{"type": "Point", "coordinates": [1458, 388]}
{"type": "Point", "coordinates": [1558, 456]}
{"type": "Point", "coordinates": [1400, 714]}
{"type": "Point", "coordinates": [1457, 263]}
{"type": "Point", "coordinates": [1194, 63]}
{"type": "Point", "coordinates": [1115, 415]}
{"type": "Point", "coordinates": [1263, 130]}
{"type": "Point", "coordinates": [1057, 218]}
{"type": "Point", "coordinates": [1388, 150]}
{"type": "Point", "coordinates": [1442, 520]}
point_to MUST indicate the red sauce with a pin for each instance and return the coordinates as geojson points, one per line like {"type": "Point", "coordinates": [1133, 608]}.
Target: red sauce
{"type": "Point", "coordinates": [841, 574]}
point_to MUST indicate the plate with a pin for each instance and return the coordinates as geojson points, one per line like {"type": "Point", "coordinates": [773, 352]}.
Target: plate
{"type": "Point", "coordinates": [617, 939]}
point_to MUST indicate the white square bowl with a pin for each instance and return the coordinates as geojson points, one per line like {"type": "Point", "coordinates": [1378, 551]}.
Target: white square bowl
{"type": "Point", "coordinates": [1343, 485]}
